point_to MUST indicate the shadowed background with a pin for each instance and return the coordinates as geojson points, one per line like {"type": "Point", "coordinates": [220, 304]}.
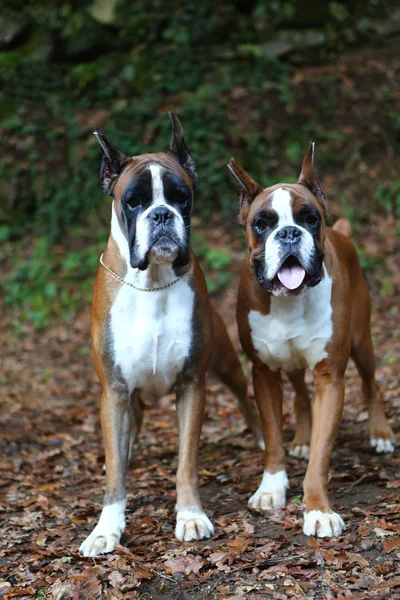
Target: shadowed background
{"type": "Point", "coordinates": [253, 79]}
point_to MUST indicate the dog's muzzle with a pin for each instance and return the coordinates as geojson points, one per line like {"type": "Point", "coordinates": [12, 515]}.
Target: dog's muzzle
{"type": "Point", "coordinates": [291, 273]}
{"type": "Point", "coordinates": [166, 236]}
{"type": "Point", "coordinates": [290, 262]}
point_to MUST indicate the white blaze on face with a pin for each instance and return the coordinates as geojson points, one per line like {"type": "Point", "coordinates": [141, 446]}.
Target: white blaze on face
{"type": "Point", "coordinates": [158, 199]}
{"type": "Point", "coordinates": [282, 204]}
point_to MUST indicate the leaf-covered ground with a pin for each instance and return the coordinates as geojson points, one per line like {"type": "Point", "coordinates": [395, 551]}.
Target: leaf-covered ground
{"type": "Point", "coordinates": [52, 478]}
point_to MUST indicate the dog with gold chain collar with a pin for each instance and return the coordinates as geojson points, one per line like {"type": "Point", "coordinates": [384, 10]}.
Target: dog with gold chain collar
{"type": "Point", "coordinates": [153, 328]}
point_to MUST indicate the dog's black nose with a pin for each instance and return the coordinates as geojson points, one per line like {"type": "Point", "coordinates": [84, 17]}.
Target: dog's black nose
{"type": "Point", "coordinates": [289, 234]}
{"type": "Point", "coordinates": [161, 215]}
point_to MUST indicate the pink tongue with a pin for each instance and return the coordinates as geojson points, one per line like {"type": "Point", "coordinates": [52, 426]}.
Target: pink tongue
{"type": "Point", "coordinates": [291, 277]}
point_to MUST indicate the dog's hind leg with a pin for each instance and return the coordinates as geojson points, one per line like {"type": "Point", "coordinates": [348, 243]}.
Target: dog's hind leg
{"type": "Point", "coordinates": [300, 446]}
{"type": "Point", "coordinates": [362, 352]}
{"type": "Point", "coordinates": [226, 365]}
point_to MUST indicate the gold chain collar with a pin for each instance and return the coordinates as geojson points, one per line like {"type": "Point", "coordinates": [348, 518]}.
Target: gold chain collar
{"type": "Point", "coordinates": [155, 289]}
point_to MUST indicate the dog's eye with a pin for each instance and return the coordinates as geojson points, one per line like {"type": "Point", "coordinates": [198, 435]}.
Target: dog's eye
{"type": "Point", "coordinates": [133, 202]}
{"type": "Point", "coordinates": [311, 220]}
{"type": "Point", "coordinates": [261, 225]}
{"type": "Point", "coordinates": [180, 197]}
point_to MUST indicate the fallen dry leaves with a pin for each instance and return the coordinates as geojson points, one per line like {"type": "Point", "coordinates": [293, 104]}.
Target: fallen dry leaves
{"type": "Point", "coordinates": [52, 479]}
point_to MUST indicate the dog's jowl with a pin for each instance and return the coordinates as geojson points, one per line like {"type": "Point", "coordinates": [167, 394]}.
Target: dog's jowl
{"type": "Point", "coordinates": [154, 329]}
{"type": "Point", "coordinates": [303, 303]}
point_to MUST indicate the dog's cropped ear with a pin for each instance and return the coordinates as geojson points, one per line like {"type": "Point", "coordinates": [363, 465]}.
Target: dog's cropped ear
{"type": "Point", "coordinates": [112, 163]}
{"type": "Point", "coordinates": [308, 175]}
{"type": "Point", "coordinates": [179, 150]}
{"type": "Point", "coordinates": [249, 188]}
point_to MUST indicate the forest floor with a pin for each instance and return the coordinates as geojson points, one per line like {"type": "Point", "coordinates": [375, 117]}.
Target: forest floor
{"type": "Point", "coordinates": [52, 477]}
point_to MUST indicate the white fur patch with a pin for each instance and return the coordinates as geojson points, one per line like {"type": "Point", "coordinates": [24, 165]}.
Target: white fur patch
{"type": "Point", "coordinates": [301, 451]}
{"type": "Point", "coordinates": [107, 532]}
{"type": "Point", "coordinates": [323, 524]}
{"type": "Point", "coordinates": [152, 335]}
{"type": "Point", "coordinates": [295, 332]}
{"type": "Point", "coordinates": [193, 525]}
{"type": "Point", "coordinates": [272, 491]}
{"type": "Point", "coordinates": [281, 203]}
{"type": "Point", "coordinates": [157, 184]}
{"type": "Point", "coordinates": [382, 446]}
{"type": "Point", "coordinates": [119, 237]}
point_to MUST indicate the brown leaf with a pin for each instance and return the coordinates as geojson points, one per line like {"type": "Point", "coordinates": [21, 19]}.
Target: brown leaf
{"type": "Point", "coordinates": [248, 528]}
{"type": "Point", "coordinates": [142, 573]}
{"type": "Point", "coordinates": [115, 578]}
{"type": "Point", "coordinates": [393, 484]}
{"type": "Point", "coordinates": [41, 538]}
{"type": "Point", "coordinates": [390, 545]}
{"type": "Point", "coordinates": [238, 544]}
{"type": "Point", "coordinates": [357, 558]}
{"type": "Point", "coordinates": [184, 564]}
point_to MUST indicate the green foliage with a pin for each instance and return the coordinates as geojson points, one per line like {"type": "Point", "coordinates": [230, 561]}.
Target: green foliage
{"type": "Point", "coordinates": [122, 66]}
{"type": "Point", "coordinates": [367, 262]}
{"type": "Point", "coordinates": [387, 194]}
{"type": "Point", "coordinates": [225, 68]}
{"type": "Point", "coordinates": [216, 263]}
{"type": "Point", "coordinates": [46, 281]}
{"type": "Point", "coordinates": [49, 282]}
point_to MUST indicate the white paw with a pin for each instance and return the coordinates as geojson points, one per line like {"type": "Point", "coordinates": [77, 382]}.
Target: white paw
{"type": "Point", "coordinates": [193, 525]}
{"type": "Point", "coordinates": [382, 446]}
{"type": "Point", "coordinates": [323, 524]}
{"type": "Point", "coordinates": [99, 542]}
{"type": "Point", "coordinates": [272, 491]}
{"type": "Point", "coordinates": [107, 532]}
{"type": "Point", "coordinates": [302, 451]}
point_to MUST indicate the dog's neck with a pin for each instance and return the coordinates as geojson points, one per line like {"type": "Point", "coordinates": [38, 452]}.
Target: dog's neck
{"type": "Point", "coordinates": [156, 275]}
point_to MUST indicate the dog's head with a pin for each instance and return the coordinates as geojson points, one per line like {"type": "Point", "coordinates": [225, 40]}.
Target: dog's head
{"type": "Point", "coordinates": [153, 198]}
{"type": "Point", "coordinates": [285, 229]}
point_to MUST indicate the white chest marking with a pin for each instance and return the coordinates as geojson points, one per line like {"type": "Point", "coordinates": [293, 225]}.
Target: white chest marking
{"type": "Point", "coordinates": [152, 335]}
{"type": "Point", "coordinates": [151, 332]}
{"type": "Point", "coordinates": [295, 333]}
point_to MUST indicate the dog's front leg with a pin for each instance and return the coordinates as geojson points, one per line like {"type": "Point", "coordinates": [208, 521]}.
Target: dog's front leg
{"type": "Point", "coordinates": [319, 519]}
{"type": "Point", "coordinates": [192, 522]}
{"type": "Point", "coordinates": [116, 423]}
{"type": "Point", "coordinates": [268, 392]}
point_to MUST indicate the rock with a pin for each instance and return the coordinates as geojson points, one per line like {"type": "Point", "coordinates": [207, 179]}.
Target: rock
{"type": "Point", "coordinates": [287, 40]}
{"type": "Point", "coordinates": [11, 30]}
{"type": "Point", "coordinates": [103, 11]}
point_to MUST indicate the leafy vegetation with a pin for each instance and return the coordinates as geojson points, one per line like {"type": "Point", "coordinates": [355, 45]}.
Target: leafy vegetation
{"type": "Point", "coordinates": [249, 79]}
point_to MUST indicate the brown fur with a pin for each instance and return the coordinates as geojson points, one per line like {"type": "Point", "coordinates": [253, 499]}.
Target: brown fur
{"type": "Point", "coordinates": [121, 416]}
{"type": "Point", "coordinates": [351, 337]}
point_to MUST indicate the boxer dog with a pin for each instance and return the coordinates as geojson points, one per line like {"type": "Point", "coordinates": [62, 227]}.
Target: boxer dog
{"type": "Point", "coordinates": [303, 303]}
{"type": "Point", "coordinates": [153, 328]}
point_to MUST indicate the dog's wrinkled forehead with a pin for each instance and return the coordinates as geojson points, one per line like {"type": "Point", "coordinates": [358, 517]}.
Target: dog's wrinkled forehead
{"type": "Point", "coordinates": [148, 173]}
{"type": "Point", "coordinates": [286, 200]}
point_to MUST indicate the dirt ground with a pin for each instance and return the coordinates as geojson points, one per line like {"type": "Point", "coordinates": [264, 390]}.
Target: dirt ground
{"type": "Point", "coordinates": [52, 480]}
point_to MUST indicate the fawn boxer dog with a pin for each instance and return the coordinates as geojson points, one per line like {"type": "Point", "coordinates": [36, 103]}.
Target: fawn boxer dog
{"type": "Point", "coordinates": [153, 328]}
{"type": "Point", "coordinates": [303, 302]}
